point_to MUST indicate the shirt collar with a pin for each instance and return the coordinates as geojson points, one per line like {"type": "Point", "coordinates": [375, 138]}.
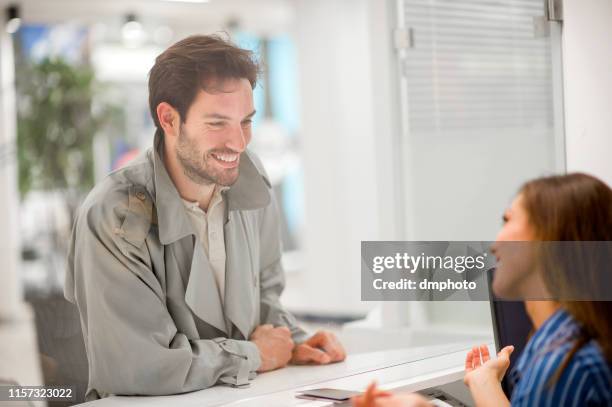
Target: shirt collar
{"type": "Point", "coordinates": [216, 198]}
{"type": "Point", "coordinates": [251, 191]}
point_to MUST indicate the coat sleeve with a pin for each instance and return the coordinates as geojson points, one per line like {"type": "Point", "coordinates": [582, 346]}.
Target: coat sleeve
{"type": "Point", "coordinates": [272, 275]}
{"type": "Point", "coordinates": [133, 346]}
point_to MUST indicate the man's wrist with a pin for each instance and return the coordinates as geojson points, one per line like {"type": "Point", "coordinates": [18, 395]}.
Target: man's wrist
{"type": "Point", "coordinates": [253, 355]}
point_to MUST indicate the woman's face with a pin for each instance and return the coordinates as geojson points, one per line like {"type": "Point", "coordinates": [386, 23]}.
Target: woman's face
{"type": "Point", "coordinates": [513, 252]}
{"type": "Point", "coordinates": [515, 225]}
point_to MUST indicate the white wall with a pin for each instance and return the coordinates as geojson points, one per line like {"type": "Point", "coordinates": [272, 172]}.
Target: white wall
{"type": "Point", "coordinates": [587, 70]}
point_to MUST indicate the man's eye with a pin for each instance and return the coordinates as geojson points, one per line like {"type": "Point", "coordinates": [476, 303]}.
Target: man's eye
{"type": "Point", "coordinates": [216, 124]}
{"type": "Point", "coordinates": [247, 122]}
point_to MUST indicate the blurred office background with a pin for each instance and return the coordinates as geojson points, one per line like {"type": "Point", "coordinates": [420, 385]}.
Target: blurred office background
{"type": "Point", "coordinates": [377, 120]}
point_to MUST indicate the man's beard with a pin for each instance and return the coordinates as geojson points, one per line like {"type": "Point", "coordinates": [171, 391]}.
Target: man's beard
{"type": "Point", "coordinates": [199, 167]}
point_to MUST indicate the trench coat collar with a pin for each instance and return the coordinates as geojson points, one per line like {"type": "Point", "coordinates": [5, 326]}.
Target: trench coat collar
{"type": "Point", "coordinates": [251, 191]}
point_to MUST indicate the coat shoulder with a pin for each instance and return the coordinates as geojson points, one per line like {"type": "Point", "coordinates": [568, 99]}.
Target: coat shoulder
{"type": "Point", "coordinates": [121, 205]}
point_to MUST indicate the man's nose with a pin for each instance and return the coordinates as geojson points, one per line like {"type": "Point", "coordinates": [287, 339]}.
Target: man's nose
{"type": "Point", "coordinates": [237, 140]}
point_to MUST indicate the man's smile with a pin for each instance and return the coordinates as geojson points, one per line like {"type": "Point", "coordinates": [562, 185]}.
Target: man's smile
{"type": "Point", "coordinates": [226, 160]}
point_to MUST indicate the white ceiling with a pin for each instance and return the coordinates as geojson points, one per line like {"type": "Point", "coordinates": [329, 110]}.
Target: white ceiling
{"type": "Point", "coordinates": [260, 16]}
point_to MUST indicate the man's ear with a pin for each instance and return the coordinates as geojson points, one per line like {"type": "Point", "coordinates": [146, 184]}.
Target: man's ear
{"type": "Point", "coordinates": [169, 118]}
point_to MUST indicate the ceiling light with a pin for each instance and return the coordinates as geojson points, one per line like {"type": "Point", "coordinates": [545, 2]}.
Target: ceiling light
{"type": "Point", "coordinates": [132, 32]}
{"type": "Point", "coordinates": [13, 22]}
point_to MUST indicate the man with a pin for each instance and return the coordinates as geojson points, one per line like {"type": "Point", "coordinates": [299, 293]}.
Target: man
{"type": "Point", "coordinates": [175, 260]}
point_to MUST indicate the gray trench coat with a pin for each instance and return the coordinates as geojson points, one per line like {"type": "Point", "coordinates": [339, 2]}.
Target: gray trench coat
{"type": "Point", "coordinates": [152, 318]}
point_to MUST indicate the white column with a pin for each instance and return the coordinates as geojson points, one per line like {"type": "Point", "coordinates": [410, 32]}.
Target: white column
{"type": "Point", "coordinates": [10, 284]}
{"type": "Point", "coordinates": [338, 146]}
{"type": "Point", "coordinates": [19, 358]}
{"type": "Point", "coordinates": [587, 69]}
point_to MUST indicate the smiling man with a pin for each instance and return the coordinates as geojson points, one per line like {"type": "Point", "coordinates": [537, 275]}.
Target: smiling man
{"type": "Point", "coordinates": [175, 260]}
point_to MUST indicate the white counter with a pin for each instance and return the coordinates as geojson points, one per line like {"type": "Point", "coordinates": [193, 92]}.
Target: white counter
{"type": "Point", "coordinates": [409, 369]}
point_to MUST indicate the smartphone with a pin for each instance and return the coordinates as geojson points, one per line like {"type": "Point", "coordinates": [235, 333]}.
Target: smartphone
{"type": "Point", "coordinates": [327, 394]}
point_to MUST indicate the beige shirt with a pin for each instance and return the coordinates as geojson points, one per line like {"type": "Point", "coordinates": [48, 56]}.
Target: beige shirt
{"type": "Point", "coordinates": [209, 226]}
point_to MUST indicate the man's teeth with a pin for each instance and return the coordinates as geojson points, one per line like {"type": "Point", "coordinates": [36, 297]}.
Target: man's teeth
{"type": "Point", "coordinates": [228, 158]}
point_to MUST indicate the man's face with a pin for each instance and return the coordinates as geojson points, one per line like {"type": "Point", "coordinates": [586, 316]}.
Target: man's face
{"type": "Point", "coordinates": [216, 130]}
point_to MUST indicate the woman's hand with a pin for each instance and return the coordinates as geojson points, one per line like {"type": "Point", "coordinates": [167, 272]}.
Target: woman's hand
{"type": "Point", "coordinates": [374, 397]}
{"type": "Point", "coordinates": [480, 367]}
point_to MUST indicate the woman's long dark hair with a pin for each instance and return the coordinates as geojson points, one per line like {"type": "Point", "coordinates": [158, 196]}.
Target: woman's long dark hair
{"type": "Point", "coordinates": [574, 207]}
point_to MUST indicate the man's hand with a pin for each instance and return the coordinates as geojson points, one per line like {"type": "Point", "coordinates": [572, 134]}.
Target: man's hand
{"type": "Point", "coordinates": [275, 346]}
{"type": "Point", "coordinates": [320, 349]}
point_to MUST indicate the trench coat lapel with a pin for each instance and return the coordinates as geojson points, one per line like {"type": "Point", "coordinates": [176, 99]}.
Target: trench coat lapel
{"type": "Point", "coordinates": [239, 277]}
{"type": "Point", "coordinates": [251, 191]}
{"type": "Point", "coordinates": [201, 294]}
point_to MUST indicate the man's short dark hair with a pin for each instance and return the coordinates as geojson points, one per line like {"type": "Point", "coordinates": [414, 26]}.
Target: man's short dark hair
{"type": "Point", "coordinates": [194, 63]}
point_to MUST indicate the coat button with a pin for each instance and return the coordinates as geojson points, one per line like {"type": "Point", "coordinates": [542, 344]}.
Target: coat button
{"type": "Point", "coordinates": [140, 195]}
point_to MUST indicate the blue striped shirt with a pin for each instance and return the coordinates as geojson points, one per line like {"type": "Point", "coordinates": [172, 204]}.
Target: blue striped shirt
{"type": "Point", "coordinates": [586, 381]}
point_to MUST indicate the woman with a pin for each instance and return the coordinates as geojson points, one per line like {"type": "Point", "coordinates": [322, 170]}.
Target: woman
{"type": "Point", "coordinates": [568, 359]}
